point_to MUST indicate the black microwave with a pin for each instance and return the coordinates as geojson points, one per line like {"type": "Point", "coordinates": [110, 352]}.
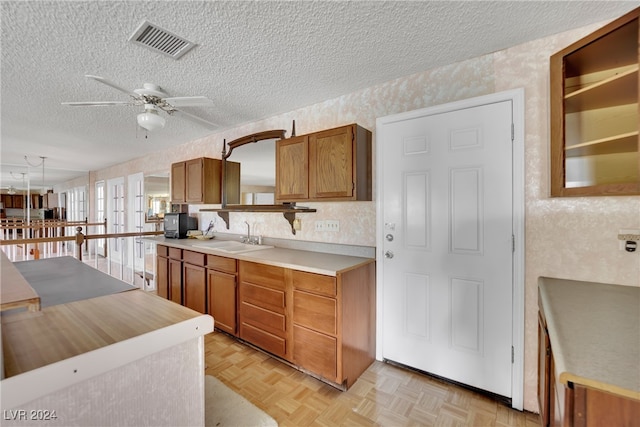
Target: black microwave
{"type": "Point", "coordinates": [176, 224]}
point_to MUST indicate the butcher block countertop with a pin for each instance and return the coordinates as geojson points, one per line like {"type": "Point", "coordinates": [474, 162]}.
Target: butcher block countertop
{"type": "Point", "coordinates": [15, 291]}
{"type": "Point", "coordinates": [59, 332]}
{"type": "Point", "coordinates": [311, 262]}
{"type": "Point", "coordinates": [594, 330]}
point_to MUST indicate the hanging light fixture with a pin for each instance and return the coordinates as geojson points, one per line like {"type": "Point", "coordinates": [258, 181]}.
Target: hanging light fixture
{"type": "Point", "coordinates": [44, 190]}
{"type": "Point", "coordinates": [150, 119]}
{"type": "Point", "coordinates": [11, 190]}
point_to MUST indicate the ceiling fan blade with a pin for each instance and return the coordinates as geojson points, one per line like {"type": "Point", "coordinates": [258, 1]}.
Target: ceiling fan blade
{"type": "Point", "coordinates": [188, 101]}
{"type": "Point", "coordinates": [97, 104]}
{"type": "Point", "coordinates": [113, 85]}
{"type": "Point", "coordinates": [195, 119]}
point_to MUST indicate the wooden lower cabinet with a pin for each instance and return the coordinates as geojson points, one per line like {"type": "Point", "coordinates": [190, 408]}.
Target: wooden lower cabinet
{"type": "Point", "coordinates": [203, 282]}
{"type": "Point", "coordinates": [162, 271]}
{"type": "Point", "coordinates": [175, 280]}
{"type": "Point", "coordinates": [194, 281]}
{"type": "Point", "coordinates": [576, 405]}
{"type": "Point", "coordinates": [544, 366]}
{"type": "Point", "coordinates": [598, 408]}
{"type": "Point", "coordinates": [324, 325]}
{"type": "Point", "coordinates": [262, 308]}
{"type": "Point", "coordinates": [316, 352]}
{"type": "Point", "coordinates": [334, 323]}
{"type": "Point", "coordinates": [221, 292]}
{"type": "Point", "coordinates": [169, 273]}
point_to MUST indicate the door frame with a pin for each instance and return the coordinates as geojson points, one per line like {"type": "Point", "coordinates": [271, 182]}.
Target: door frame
{"type": "Point", "coordinates": [516, 96]}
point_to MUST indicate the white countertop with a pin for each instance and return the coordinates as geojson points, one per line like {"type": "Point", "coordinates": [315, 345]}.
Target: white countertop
{"type": "Point", "coordinates": [594, 330]}
{"type": "Point", "coordinates": [312, 262]}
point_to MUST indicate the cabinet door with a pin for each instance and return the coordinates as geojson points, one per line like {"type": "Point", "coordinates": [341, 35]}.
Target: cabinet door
{"type": "Point", "coordinates": [178, 182]}
{"type": "Point", "coordinates": [331, 163]}
{"type": "Point", "coordinates": [7, 201]}
{"type": "Point", "coordinates": [162, 275]}
{"type": "Point", "coordinates": [315, 352]}
{"type": "Point", "coordinates": [222, 300]}
{"type": "Point", "coordinates": [18, 201]}
{"type": "Point", "coordinates": [544, 354]}
{"type": "Point", "coordinates": [194, 282]}
{"type": "Point", "coordinates": [315, 312]}
{"type": "Point", "coordinates": [292, 164]}
{"type": "Point", "coordinates": [194, 184]}
{"type": "Point", "coordinates": [35, 201]}
{"type": "Point", "coordinates": [175, 281]}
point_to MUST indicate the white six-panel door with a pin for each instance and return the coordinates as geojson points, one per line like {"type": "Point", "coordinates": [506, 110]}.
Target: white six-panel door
{"type": "Point", "coordinates": [446, 215]}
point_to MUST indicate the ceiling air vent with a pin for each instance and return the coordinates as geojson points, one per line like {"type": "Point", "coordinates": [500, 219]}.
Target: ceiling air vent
{"type": "Point", "coordinates": [161, 40]}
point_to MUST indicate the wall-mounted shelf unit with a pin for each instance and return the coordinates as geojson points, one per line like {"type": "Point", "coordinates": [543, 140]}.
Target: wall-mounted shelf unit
{"type": "Point", "coordinates": [595, 150]}
{"type": "Point", "coordinates": [289, 211]}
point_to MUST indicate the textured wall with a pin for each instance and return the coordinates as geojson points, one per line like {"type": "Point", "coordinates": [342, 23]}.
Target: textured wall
{"type": "Point", "coordinates": [572, 238]}
{"type": "Point", "coordinates": [164, 389]}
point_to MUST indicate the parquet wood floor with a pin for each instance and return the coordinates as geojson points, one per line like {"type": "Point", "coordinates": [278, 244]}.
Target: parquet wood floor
{"type": "Point", "coordinates": [384, 395]}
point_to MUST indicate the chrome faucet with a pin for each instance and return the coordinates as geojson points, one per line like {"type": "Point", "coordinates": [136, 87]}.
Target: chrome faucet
{"type": "Point", "coordinates": [256, 240]}
{"type": "Point", "coordinates": [248, 238]}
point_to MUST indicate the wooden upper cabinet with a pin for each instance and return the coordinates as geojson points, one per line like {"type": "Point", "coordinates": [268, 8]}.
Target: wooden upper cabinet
{"type": "Point", "coordinates": [292, 169]}
{"type": "Point", "coordinates": [333, 164]}
{"type": "Point", "coordinates": [7, 201]}
{"type": "Point", "coordinates": [196, 181]}
{"type": "Point", "coordinates": [594, 113]}
{"type": "Point", "coordinates": [178, 183]}
{"type": "Point", "coordinates": [331, 155]}
{"type": "Point", "coordinates": [18, 201]}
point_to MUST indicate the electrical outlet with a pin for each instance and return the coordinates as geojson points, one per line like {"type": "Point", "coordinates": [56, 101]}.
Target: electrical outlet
{"type": "Point", "coordinates": [332, 225]}
{"type": "Point", "coordinates": [320, 226]}
{"type": "Point", "coordinates": [627, 234]}
{"type": "Point", "coordinates": [297, 224]}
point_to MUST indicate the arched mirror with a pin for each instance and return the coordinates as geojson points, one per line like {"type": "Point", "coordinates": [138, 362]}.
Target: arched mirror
{"type": "Point", "coordinates": [248, 178]}
{"type": "Point", "coordinates": [249, 173]}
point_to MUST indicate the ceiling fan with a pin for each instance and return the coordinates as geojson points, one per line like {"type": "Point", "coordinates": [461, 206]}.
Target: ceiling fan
{"type": "Point", "coordinates": [154, 99]}
{"type": "Point", "coordinates": [10, 189]}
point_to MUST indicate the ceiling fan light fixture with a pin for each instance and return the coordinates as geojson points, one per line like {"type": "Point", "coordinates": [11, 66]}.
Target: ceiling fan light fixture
{"type": "Point", "coordinates": [150, 119]}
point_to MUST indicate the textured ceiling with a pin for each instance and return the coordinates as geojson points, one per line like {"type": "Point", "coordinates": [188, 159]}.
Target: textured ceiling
{"type": "Point", "coordinates": [254, 59]}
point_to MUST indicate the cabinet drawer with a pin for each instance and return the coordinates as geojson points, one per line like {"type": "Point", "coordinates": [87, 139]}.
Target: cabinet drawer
{"type": "Point", "coordinates": [316, 283]}
{"type": "Point", "coordinates": [271, 299]}
{"type": "Point", "coordinates": [315, 312]}
{"type": "Point", "coordinates": [261, 274]}
{"type": "Point", "coordinates": [162, 251]}
{"type": "Point", "coordinates": [315, 352]}
{"type": "Point", "coordinates": [220, 263]}
{"type": "Point", "coordinates": [264, 340]}
{"type": "Point", "coordinates": [175, 253]}
{"type": "Point", "coordinates": [263, 318]}
{"type": "Point", "coordinates": [195, 258]}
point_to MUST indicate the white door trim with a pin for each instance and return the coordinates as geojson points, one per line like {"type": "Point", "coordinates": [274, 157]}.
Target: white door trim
{"type": "Point", "coordinates": [517, 98]}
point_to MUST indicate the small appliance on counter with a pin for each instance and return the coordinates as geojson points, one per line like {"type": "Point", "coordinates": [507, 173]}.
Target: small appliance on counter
{"type": "Point", "coordinates": [176, 225]}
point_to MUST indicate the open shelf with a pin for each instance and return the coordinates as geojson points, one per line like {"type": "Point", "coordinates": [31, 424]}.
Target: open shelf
{"type": "Point", "coordinates": [624, 143]}
{"type": "Point", "coordinates": [288, 210]}
{"type": "Point", "coordinates": [594, 112]}
{"type": "Point", "coordinates": [619, 89]}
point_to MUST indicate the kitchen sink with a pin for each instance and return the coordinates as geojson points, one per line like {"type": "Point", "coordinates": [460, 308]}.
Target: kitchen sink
{"type": "Point", "coordinates": [231, 246]}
